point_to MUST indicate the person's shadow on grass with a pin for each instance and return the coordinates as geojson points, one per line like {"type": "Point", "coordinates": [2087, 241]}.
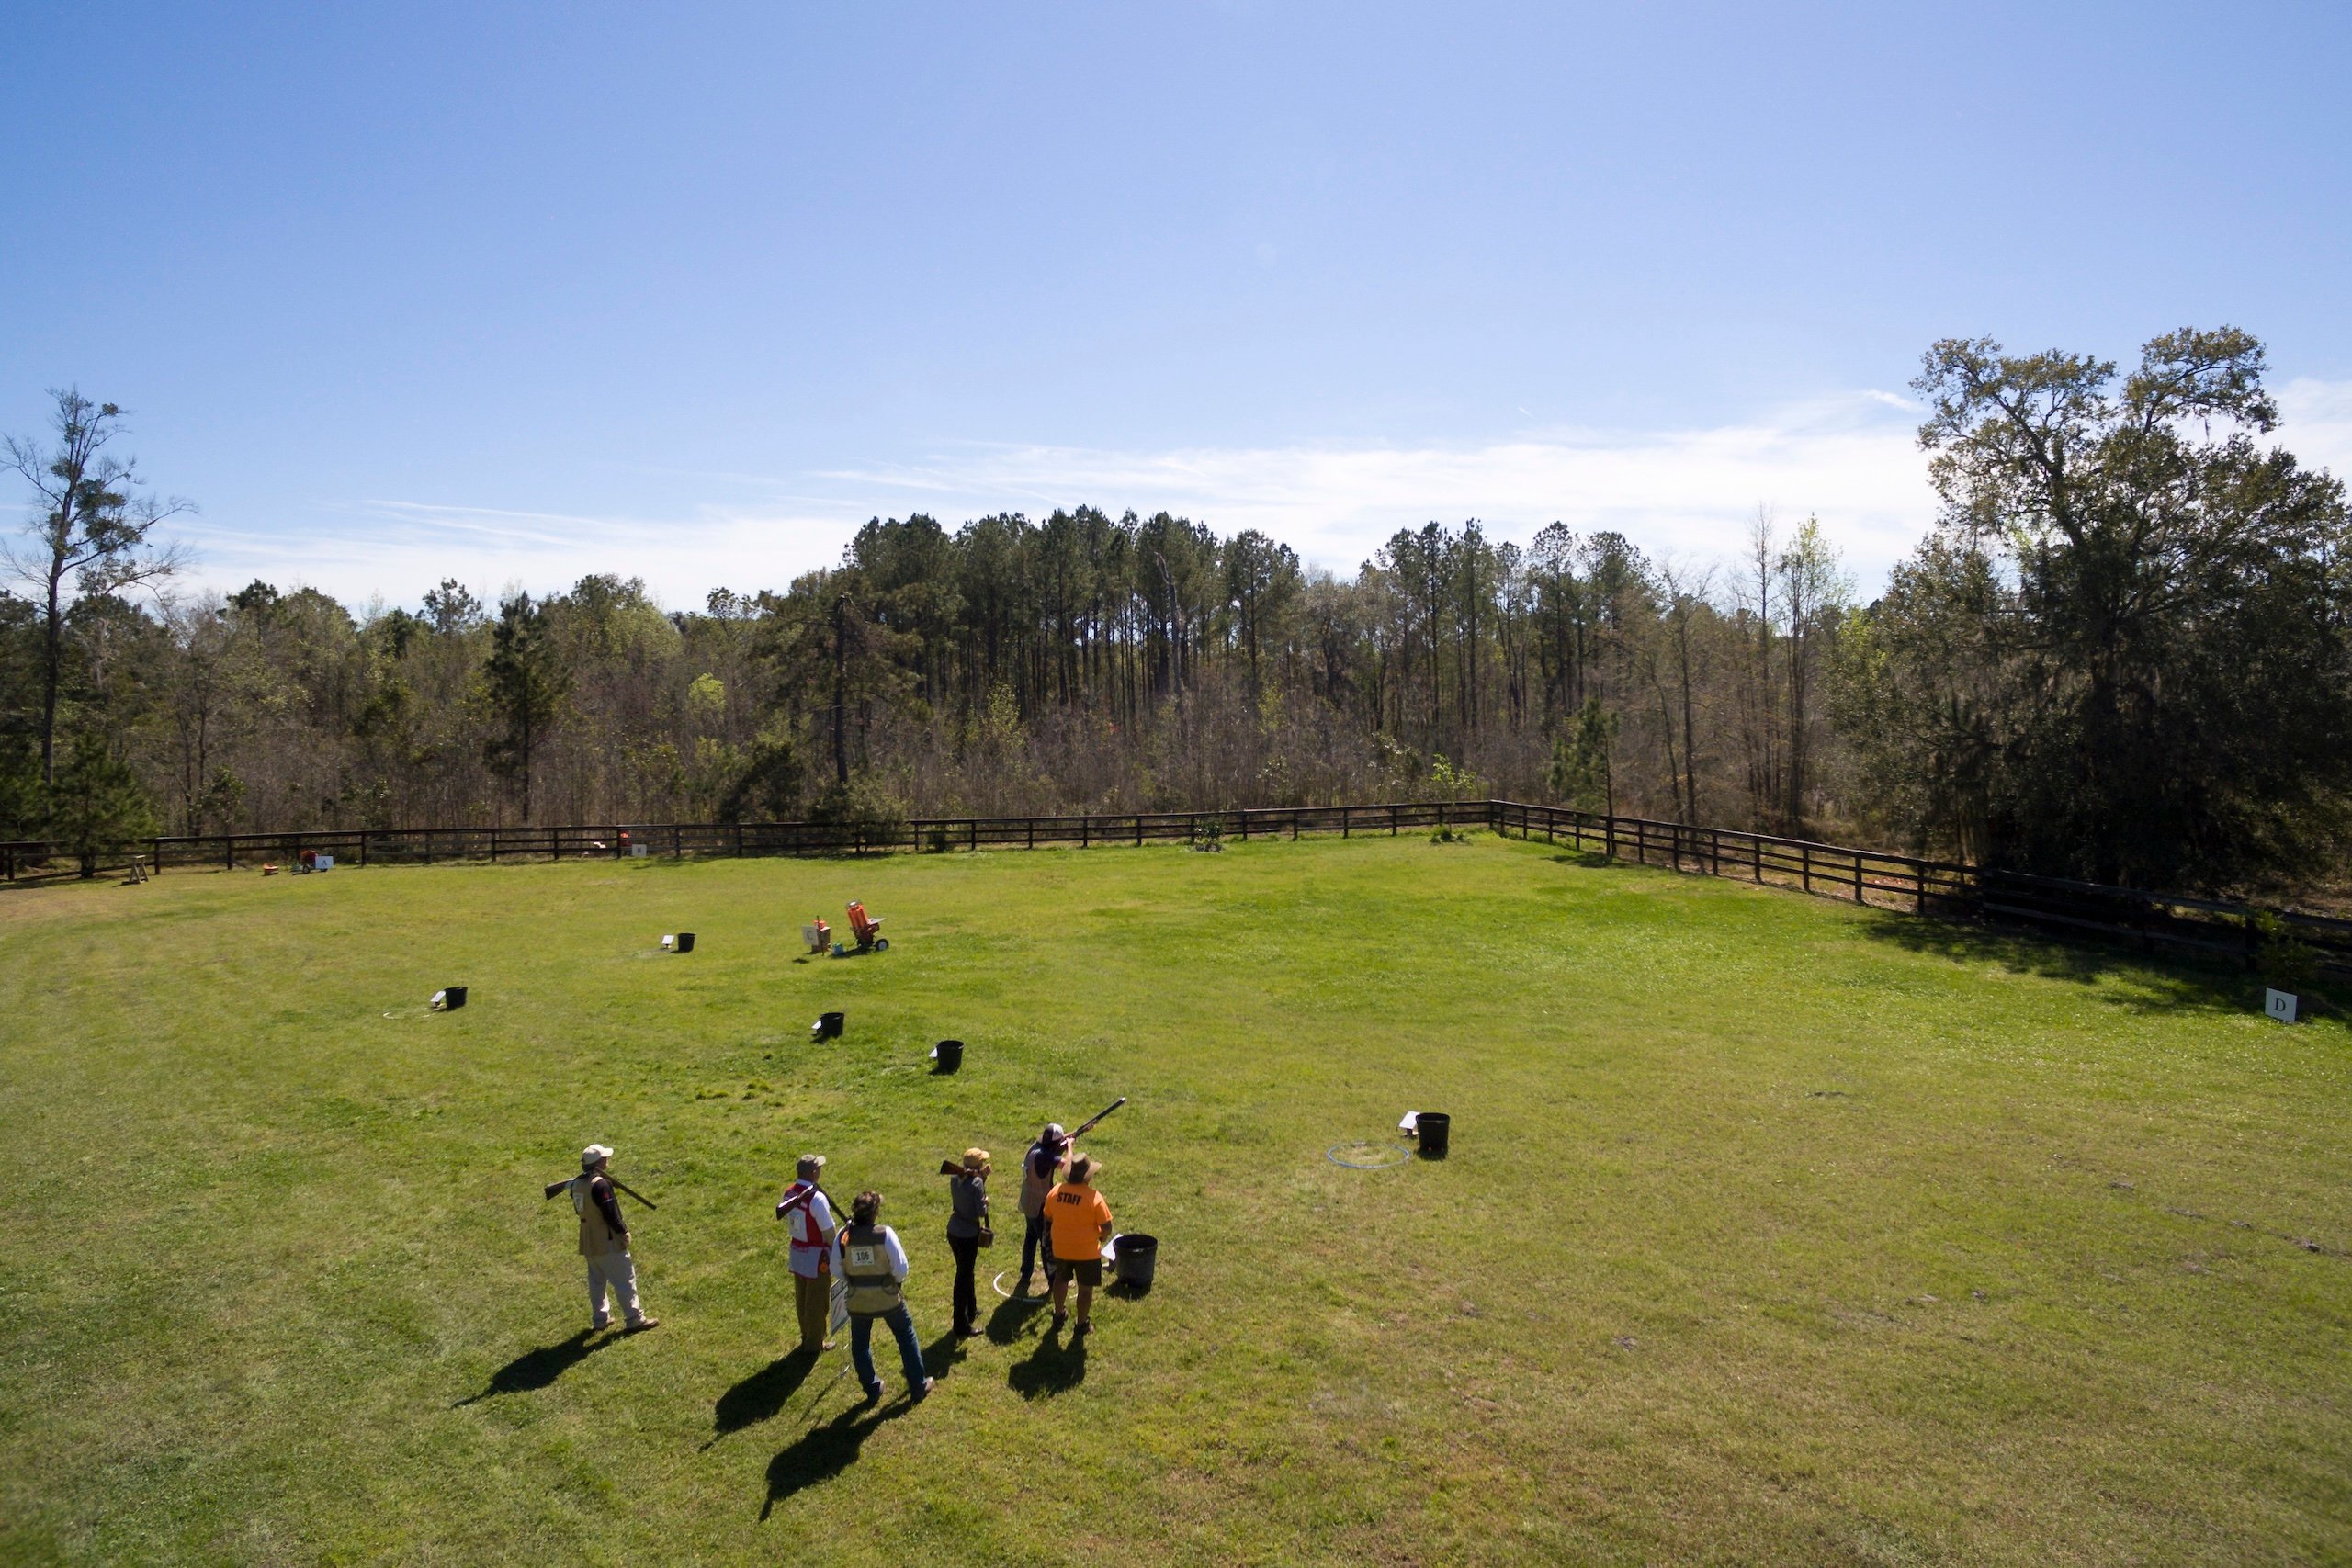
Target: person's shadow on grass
{"type": "Point", "coordinates": [1053, 1367]}
{"type": "Point", "coordinates": [1010, 1317]}
{"type": "Point", "coordinates": [763, 1394]}
{"type": "Point", "coordinates": [534, 1370]}
{"type": "Point", "coordinates": [823, 1452]}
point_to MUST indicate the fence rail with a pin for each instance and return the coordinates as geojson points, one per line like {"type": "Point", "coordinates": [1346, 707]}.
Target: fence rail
{"type": "Point", "coordinates": [1876, 878]}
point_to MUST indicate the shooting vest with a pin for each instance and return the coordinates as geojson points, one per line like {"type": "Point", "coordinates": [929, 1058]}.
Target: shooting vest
{"type": "Point", "coordinates": [1034, 1187]}
{"type": "Point", "coordinates": [866, 1270]}
{"type": "Point", "coordinates": [597, 1239]}
{"type": "Point", "coordinates": [802, 1219]}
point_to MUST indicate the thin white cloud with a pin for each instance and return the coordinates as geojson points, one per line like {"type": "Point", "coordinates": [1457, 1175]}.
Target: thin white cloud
{"type": "Point", "coordinates": [1852, 461]}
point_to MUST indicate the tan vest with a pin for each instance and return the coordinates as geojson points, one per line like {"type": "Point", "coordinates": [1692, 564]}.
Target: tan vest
{"type": "Point", "coordinates": [1034, 1187]}
{"type": "Point", "coordinates": [597, 1239]}
{"type": "Point", "coordinates": [865, 1270]}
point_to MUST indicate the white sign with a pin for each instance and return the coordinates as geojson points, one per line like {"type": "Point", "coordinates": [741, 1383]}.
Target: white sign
{"type": "Point", "coordinates": [637, 852]}
{"type": "Point", "coordinates": [2279, 1005]}
{"type": "Point", "coordinates": [324, 863]}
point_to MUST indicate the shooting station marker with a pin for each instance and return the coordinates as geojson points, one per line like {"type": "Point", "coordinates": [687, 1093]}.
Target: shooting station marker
{"type": "Point", "coordinates": [448, 999]}
{"type": "Point", "coordinates": [828, 1026]}
{"type": "Point", "coordinates": [997, 1285]}
{"type": "Point", "coordinates": [949, 1054]}
{"type": "Point", "coordinates": [678, 942]}
{"type": "Point", "coordinates": [1366, 1156]}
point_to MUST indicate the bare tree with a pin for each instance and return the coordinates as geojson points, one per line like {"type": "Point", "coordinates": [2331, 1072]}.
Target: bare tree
{"type": "Point", "coordinates": [91, 527]}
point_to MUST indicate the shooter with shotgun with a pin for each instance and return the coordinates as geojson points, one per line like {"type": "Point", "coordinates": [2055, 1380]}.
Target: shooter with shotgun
{"type": "Point", "coordinates": [967, 1231]}
{"type": "Point", "coordinates": [603, 1240]}
{"type": "Point", "coordinates": [1041, 1169]}
{"type": "Point", "coordinates": [810, 1214]}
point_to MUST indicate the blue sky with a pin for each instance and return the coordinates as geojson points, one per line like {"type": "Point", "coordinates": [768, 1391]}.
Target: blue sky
{"type": "Point", "coordinates": [516, 293]}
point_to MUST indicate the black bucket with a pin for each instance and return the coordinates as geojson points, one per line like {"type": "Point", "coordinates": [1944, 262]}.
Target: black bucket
{"type": "Point", "coordinates": [1434, 1128]}
{"type": "Point", "coordinates": [452, 997]}
{"type": "Point", "coordinates": [950, 1055]}
{"type": "Point", "coordinates": [1136, 1256]}
{"type": "Point", "coordinates": [685, 942]}
{"type": "Point", "coordinates": [826, 1027]}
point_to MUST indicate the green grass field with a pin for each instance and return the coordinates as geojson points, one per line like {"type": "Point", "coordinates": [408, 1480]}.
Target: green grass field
{"type": "Point", "coordinates": [1774, 1230]}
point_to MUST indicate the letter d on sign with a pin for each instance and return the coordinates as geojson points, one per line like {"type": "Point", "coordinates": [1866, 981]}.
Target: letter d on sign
{"type": "Point", "coordinates": [2279, 1005]}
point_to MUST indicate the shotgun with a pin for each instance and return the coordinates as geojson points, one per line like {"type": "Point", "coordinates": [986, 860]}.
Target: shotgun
{"type": "Point", "coordinates": [556, 1187]}
{"type": "Point", "coordinates": [1089, 1123]}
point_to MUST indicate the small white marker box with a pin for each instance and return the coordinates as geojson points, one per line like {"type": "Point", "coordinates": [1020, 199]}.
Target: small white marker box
{"type": "Point", "coordinates": [2279, 1005]}
{"type": "Point", "coordinates": [324, 862]}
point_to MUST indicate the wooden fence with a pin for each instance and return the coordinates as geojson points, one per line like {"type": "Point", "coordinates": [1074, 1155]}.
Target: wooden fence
{"type": "Point", "coordinates": [1876, 878]}
{"type": "Point", "coordinates": [1912, 884]}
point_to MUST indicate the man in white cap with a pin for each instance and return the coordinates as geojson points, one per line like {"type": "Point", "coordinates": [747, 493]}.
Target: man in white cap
{"type": "Point", "coordinates": [603, 1242]}
{"type": "Point", "coordinates": [810, 1214]}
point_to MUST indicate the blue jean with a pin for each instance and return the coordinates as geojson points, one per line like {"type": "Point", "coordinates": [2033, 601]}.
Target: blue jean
{"type": "Point", "coordinates": [861, 1349]}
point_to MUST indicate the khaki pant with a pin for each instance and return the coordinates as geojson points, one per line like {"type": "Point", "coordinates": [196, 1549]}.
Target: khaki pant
{"type": "Point", "coordinates": [813, 1298]}
{"type": "Point", "coordinates": [613, 1272]}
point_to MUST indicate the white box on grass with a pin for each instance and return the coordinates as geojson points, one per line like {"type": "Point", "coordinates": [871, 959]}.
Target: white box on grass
{"type": "Point", "coordinates": [324, 863]}
{"type": "Point", "coordinates": [2279, 1005]}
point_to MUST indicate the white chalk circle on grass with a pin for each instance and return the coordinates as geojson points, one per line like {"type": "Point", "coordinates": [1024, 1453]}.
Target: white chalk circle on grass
{"type": "Point", "coordinates": [997, 1285]}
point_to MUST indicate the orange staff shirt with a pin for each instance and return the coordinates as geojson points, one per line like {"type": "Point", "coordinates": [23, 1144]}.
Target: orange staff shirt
{"type": "Point", "coordinates": [1078, 1216]}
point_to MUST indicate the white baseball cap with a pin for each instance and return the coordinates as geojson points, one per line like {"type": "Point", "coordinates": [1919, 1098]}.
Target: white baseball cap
{"type": "Point", "coordinates": [592, 1154]}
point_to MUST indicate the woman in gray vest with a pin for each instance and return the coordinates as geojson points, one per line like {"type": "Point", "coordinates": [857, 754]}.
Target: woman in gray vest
{"type": "Point", "coordinates": [871, 1264]}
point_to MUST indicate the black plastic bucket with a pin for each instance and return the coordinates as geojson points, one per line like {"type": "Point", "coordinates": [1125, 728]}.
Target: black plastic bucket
{"type": "Point", "coordinates": [1135, 1258]}
{"type": "Point", "coordinates": [685, 942]}
{"type": "Point", "coordinates": [950, 1055]}
{"type": "Point", "coordinates": [1434, 1128]}
{"type": "Point", "coordinates": [826, 1027]}
{"type": "Point", "coordinates": [452, 997]}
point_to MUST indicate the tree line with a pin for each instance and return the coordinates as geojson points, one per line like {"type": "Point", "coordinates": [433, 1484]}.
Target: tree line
{"type": "Point", "coordinates": [2121, 654]}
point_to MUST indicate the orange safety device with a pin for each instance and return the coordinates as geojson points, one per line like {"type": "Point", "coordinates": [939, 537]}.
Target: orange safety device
{"type": "Point", "coordinates": [862, 925]}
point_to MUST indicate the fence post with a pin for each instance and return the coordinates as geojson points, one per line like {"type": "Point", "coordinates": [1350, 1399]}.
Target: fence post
{"type": "Point", "coordinates": [1138, 829]}
{"type": "Point", "coordinates": [1805, 865]}
{"type": "Point", "coordinates": [1756, 855]}
{"type": "Point", "coordinates": [1081, 830]}
{"type": "Point", "coordinates": [1345, 829]}
{"type": "Point", "coordinates": [1294, 824]}
{"type": "Point", "coordinates": [1919, 900]}
{"type": "Point", "coordinates": [1032, 832]}
{"type": "Point", "coordinates": [228, 851]}
{"type": "Point", "coordinates": [1858, 879]}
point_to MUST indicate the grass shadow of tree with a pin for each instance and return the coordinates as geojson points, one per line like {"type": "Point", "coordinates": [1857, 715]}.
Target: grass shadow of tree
{"type": "Point", "coordinates": [1055, 1366]}
{"type": "Point", "coordinates": [823, 1452]}
{"type": "Point", "coordinates": [762, 1394]}
{"type": "Point", "coordinates": [535, 1369]}
{"type": "Point", "coordinates": [2147, 983]}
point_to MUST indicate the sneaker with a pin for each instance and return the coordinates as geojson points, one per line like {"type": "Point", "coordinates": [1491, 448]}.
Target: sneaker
{"type": "Point", "coordinates": [641, 1324]}
{"type": "Point", "coordinates": [925, 1392]}
{"type": "Point", "coordinates": [601, 1324]}
{"type": "Point", "coordinates": [874, 1393]}
{"type": "Point", "coordinates": [1060, 1318]}
{"type": "Point", "coordinates": [1083, 1330]}
{"type": "Point", "coordinates": [1022, 1289]}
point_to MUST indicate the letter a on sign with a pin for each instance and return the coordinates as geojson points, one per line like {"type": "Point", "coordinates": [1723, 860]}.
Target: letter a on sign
{"type": "Point", "coordinates": [2279, 1005]}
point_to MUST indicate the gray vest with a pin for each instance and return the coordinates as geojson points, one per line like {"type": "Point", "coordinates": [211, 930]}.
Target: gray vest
{"type": "Point", "coordinates": [866, 1270]}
